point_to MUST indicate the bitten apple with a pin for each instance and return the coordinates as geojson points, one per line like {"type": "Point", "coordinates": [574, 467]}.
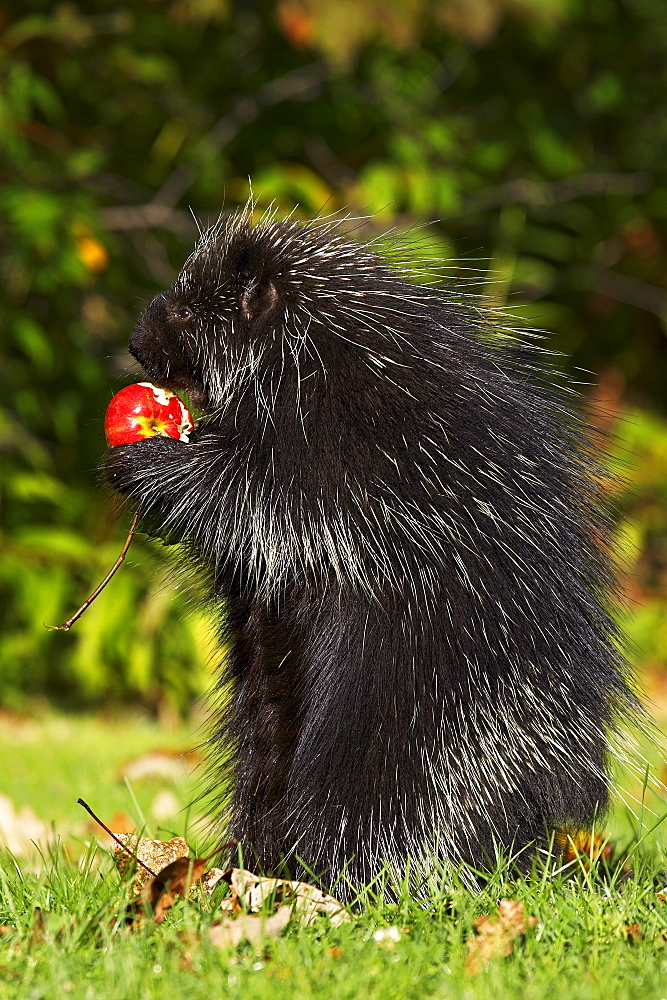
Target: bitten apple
{"type": "Point", "coordinates": [143, 410]}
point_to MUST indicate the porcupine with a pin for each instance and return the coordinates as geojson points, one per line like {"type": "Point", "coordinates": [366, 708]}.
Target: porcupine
{"type": "Point", "coordinates": [402, 522]}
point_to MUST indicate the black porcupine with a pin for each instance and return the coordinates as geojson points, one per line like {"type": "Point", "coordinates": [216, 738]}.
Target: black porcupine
{"type": "Point", "coordinates": [403, 527]}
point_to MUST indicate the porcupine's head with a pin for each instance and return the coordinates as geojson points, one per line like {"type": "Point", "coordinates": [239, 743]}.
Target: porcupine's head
{"type": "Point", "coordinates": [265, 296]}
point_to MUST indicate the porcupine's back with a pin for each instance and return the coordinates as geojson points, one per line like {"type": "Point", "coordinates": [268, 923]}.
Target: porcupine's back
{"type": "Point", "coordinates": [409, 516]}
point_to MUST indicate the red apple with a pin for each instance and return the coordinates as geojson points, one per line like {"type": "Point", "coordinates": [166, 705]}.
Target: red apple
{"type": "Point", "coordinates": [143, 410]}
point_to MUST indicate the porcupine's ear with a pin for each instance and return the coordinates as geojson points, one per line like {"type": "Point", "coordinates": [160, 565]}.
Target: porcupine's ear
{"type": "Point", "coordinates": [259, 300]}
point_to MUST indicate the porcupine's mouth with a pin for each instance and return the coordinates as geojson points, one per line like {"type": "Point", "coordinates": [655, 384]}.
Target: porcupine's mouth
{"type": "Point", "coordinates": [177, 378]}
{"type": "Point", "coordinates": [195, 392]}
{"type": "Point", "coordinates": [154, 345]}
{"type": "Point", "coordinates": [183, 385]}
{"type": "Point", "coordinates": [198, 397]}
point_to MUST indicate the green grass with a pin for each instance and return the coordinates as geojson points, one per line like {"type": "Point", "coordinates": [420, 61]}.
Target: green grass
{"type": "Point", "coordinates": [578, 948]}
{"type": "Point", "coordinates": [48, 762]}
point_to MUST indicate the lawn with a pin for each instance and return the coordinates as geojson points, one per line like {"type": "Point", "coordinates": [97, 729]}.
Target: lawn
{"type": "Point", "coordinates": [593, 930]}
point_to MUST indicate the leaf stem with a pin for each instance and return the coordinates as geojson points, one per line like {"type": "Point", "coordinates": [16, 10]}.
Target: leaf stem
{"type": "Point", "coordinates": [98, 590]}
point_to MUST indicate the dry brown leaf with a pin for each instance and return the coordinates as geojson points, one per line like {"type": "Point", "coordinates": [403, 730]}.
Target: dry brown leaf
{"type": "Point", "coordinates": [254, 928]}
{"type": "Point", "coordinates": [250, 891]}
{"type": "Point", "coordinates": [584, 846]}
{"type": "Point", "coordinates": [633, 931]}
{"type": "Point", "coordinates": [155, 854]}
{"type": "Point", "coordinates": [211, 878]}
{"type": "Point", "coordinates": [496, 934]}
{"type": "Point", "coordinates": [240, 879]}
{"type": "Point", "coordinates": [163, 762]}
{"type": "Point", "coordinates": [311, 901]}
{"type": "Point", "coordinates": [177, 877]}
{"type": "Point", "coordinates": [173, 881]}
{"type": "Point", "coordinates": [21, 831]}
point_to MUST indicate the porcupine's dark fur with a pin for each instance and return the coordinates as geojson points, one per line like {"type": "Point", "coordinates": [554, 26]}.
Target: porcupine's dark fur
{"type": "Point", "coordinates": [403, 525]}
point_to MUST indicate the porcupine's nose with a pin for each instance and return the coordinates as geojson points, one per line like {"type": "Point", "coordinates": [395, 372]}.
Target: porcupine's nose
{"type": "Point", "coordinates": [156, 345]}
{"type": "Point", "coordinates": [145, 335]}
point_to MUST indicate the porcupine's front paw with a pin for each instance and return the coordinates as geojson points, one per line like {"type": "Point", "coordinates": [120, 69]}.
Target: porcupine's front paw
{"type": "Point", "coordinates": [135, 469]}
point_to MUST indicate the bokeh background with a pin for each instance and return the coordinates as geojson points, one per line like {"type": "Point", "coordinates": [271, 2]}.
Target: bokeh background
{"type": "Point", "coordinates": [525, 139]}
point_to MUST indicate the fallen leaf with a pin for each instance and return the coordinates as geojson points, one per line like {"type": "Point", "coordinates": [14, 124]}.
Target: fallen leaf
{"type": "Point", "coordinates": [211, 878]}
{"type": "Point", "coordinates": [173, 881]}
{"type": "Point", "coordinates": [584, 846]}
{"type": "Point", "coordinates": [633, 931]}
{"type": "Point", "coordinates": [240, 879]}
{"type": "Point", "coordinates": [155, 854]}
{"type": "Point", "coordinates": [250, 892]}
{"type": "Point", "coordinates": [254, 928]}
{"type": "Point", "coordinates": [21, 831]}
{"type": "Point", "coordinates": [160, 763]}
{"type": "Point", "coordinates": [496, 934]}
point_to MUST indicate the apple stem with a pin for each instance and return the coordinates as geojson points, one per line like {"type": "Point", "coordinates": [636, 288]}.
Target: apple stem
{"type": "Point", "coordinates": [98, 590]}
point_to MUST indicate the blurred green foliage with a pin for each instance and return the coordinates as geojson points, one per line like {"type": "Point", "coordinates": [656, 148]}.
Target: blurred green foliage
{"type": "Point", "coordinates": [639, 452]}
{"type": "Point", "coordinates": [533, 130]}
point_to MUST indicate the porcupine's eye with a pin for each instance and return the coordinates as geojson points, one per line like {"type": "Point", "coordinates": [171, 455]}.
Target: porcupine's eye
{"type": "Point", "coordinates": [183, 315]}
